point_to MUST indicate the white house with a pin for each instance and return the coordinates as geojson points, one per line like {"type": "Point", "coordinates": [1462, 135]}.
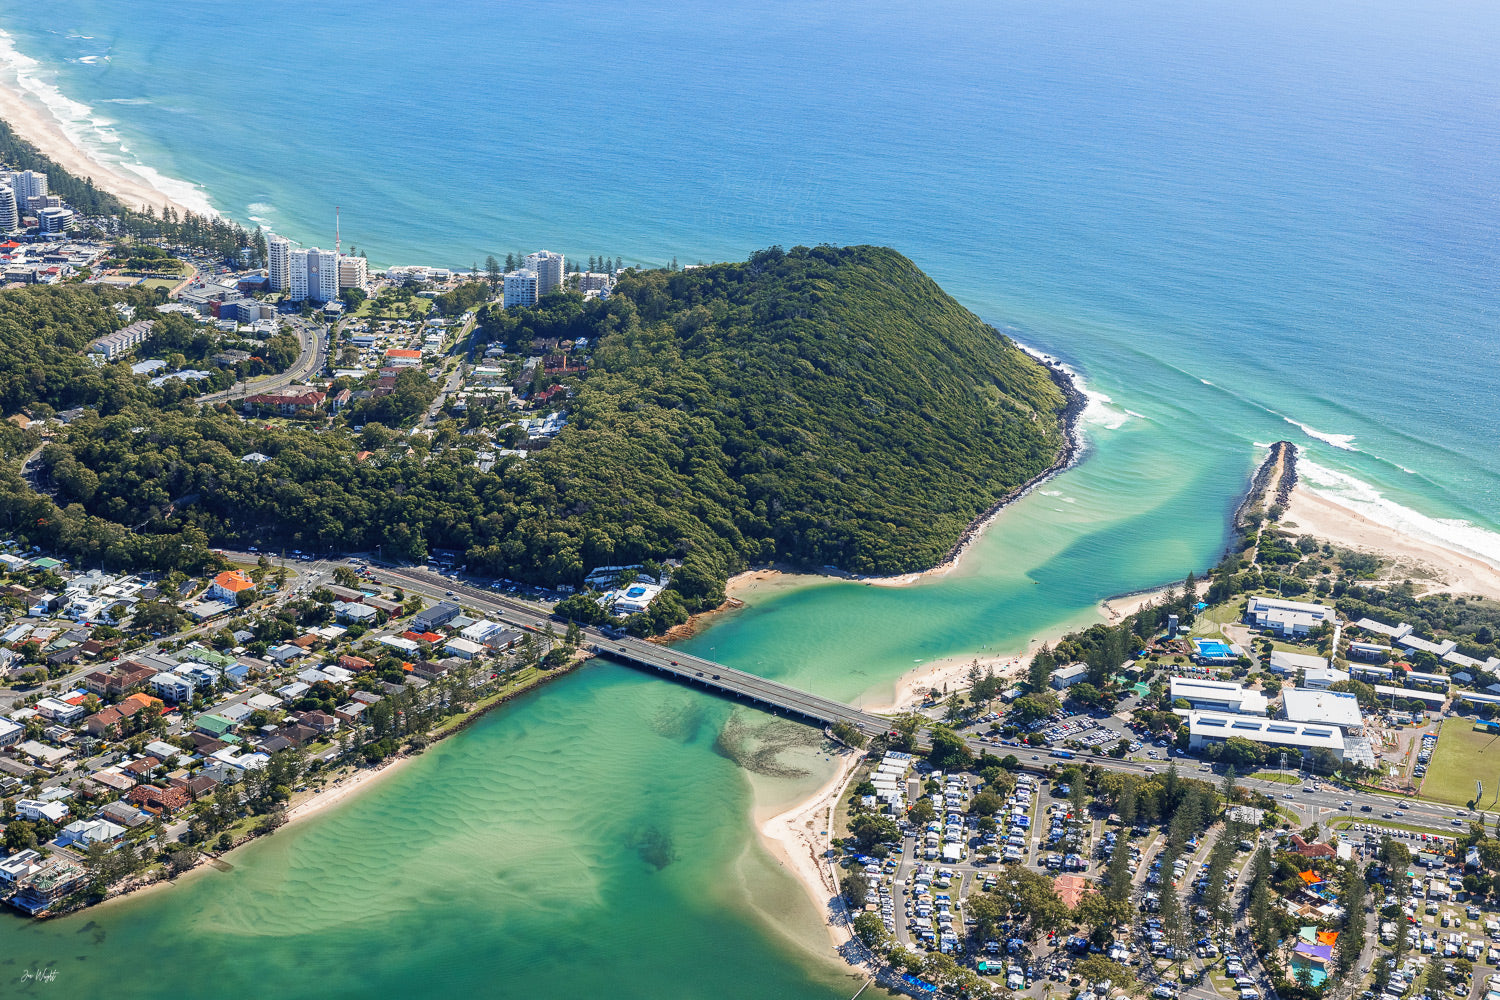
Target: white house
{"type": "Point", "coordinates": [83, 832]}
{"type": "Point", "coordinates": [1286, 618]}
{"type": "Point", "coordinates": [36, 809]}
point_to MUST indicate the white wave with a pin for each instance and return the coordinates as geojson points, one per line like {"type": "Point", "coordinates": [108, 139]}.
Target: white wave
{"type": "Point", "coordinates": [1098, 410]}
{"type": "Point", "coordinates": [1343, 441]}
{"type": "Point", "coordinates": [1050, 493]}
{"type": "Point", "coordinates": [127, 100]}
{"type": "Point", "coordinates": [1068, 499]}
{"type": "Point", "coordinates": [1260, 444]}
{"type": "Point", "coordinates": [1205, 381]}
{"type": "Point", "coordinates": [91, 60]}
{"type": "Point", "coordinates": [1367, 501]}
{"type": "Point", "coordinates": [82, 126]}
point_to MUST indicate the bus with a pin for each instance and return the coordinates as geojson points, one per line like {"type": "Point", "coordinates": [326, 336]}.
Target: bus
{"type": "Point", "coordinates": [1063, 754]}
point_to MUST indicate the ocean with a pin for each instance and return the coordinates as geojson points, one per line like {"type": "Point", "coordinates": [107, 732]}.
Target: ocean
{"type": "Point", "coordinates": [1239, 223]}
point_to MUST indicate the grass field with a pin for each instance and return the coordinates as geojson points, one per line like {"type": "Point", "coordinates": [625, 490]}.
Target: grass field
{"type": "Point", "coordinates": [1462, 756]}
{"type": "Point", "coordinates": [1290, 778]}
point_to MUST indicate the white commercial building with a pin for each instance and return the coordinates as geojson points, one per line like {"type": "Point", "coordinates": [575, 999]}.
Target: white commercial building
{"type": "Point", "coordinates": [1286, 618]}
{"type": "Point", "coordinates": [1216, 727]}
{"type": "Point", "coordinates": [1066, 677]}
{"type": "Point", "coordinates": [53, 220]}
{"type": "Point", "coordinates": [520, 289]}
{"type": "Point", "coordinates": [1324, 677]}
{"type": "Point", "coordinates": [279, 263]}
{"type": "Point", "coordinates": [1218, 696]}
{"type": "Point", "coordinates": [549, 268]}
{"type": "Point", "coordinates": [314, 275]}
{"type": "Point", "coordinates": [1287, 664]}
{"type": "Point", "coordinates": [1330, 708]}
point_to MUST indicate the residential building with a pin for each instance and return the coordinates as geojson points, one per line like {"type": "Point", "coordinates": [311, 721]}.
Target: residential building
{"type": "Point", "coordinates": [398, 357]}
{"type": "Point", "coordinates": [228, 585]}
{"type": "Point", "coordinates": [59, 711]}
{"type": "Point", "coordinates": [279, 261]}
{"type": "Point", "coordinates": [10, 214]}
{"type": "Point", "coordinates": [594, 281]}
{"type": "Point", "coordinates": [82, 832]}
{"type": "Point", "coordinates": [520, 289]}
{"type": "Point", "coordinates": [1218, 696]}
{"type": "Point", "coordinates": [122, 341]}
{"type": "Point", "coordinates": [10, 733]}
{"type": "Point", "coordinates": [288, 400]}
{"type": "Point", "coordinates": [354, 272]}
{"type": "Point", "coordinates": [1291, 619]}
{"type": "Point", "coordinates": [48, 886]}
{"type": "Point", "coordinates": [314, 275]}
{"type": "Point", "coordinates": [1369, 652]}
{"type": "Point", "coordinates": [28, 184]}
{"type": "Point", "coordinates": [173, 687]}
{"type": "Point", "coordinates": [159, 801]}
{"type": "Point", "coordinates": [549, 268]}
{"type": "Point", "coordinates": [36, 810]}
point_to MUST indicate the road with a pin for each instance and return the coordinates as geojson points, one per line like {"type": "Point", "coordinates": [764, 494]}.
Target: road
{"type": "Point", "coordinates": [1324, 804]}
{"type": "Point", "coordinates": [312, 359]}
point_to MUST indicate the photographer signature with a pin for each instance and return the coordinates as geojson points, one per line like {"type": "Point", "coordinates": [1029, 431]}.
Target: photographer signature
{"type": "Point", "coordinates": [38, 975]}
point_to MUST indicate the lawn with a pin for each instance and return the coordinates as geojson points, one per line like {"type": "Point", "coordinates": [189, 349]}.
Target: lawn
{"type": "Point", "coordinates": [1293, 778]}
{"type": "Point", "coordinates": [1463, 755]}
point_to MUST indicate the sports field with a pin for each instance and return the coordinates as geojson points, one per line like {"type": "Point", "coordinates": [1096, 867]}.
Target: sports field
{"type": "Point", "coordinates": [1464, 754]}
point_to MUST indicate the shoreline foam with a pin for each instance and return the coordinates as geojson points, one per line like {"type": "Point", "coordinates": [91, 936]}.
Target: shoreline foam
{"type": "Point", "coordinates": [42, 115]}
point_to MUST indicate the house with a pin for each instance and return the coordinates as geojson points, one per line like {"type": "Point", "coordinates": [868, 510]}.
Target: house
{"type": "Point", "coordinates": [346, 611]}
{"type": "Point", "coordinates": [107, 721]}
{"type": "Point", "coordinates": [214, 725]}
{"type": "Point", "coordinates": [287, 653]}
{"type": "Point", "coordinates": [1323, 677]}
{"type": "Point", "coordinates": [19, 867]}
{"type": "Point", "coordinates": [10, 733]}
{"type": "Point", "coordinates": [36, 810]}
{"type": "Point", "coordinates": [1302, 847]}
{"type": "Point", "coordinates": [124, 814]}
{"type": "Point", "coordinates": [381, 604]}
{"type": "Point", "coordinates": [431, 669]}
{"type": "Point", "coordinates": [351, 713]}
{"type": "Point", "coordinates": [228, 585]}
{"type": "Point", "coordinates": [354, 663]}
{"type": "Point", "coordinates": [160, 801]}
{"type": "Point", "coordinates": [319, 721]}
{"type": "Point", "coordinates": [463, 648]}
{"type": "Point", "coordinates": [83, 832]}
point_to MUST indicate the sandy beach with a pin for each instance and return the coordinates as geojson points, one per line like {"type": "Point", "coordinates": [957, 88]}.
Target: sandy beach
{"type": "Point", "coordinates": [798, 839]}
{"type": "Point", "coordinates": [1432, 567]}
{"type": "Point", "coordinates": [38, 127]}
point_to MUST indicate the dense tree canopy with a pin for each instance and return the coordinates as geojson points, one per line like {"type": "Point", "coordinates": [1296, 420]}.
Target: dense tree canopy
{"type": "Point", "coordinates": [821, 406]}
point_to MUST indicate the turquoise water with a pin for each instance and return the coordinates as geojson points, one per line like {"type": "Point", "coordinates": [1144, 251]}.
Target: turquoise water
{"type": "Point", "coordinates": [1240, 223]}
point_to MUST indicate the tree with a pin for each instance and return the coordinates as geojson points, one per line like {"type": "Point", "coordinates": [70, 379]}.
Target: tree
{"type": "Point", "coordinates": [922, 812]}
{"type": "Point", "coordinates": [492, 271]}
{"type": "Point", "coordinates": [869, 831]}
{"type": "Point", "coordinates": [871, 929]}
{"type": "Point", "coordinates": [346, 577]}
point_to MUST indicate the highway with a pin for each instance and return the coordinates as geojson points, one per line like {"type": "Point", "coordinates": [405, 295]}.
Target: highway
{"type": "Point", "coordinates": [1323, 803]}
{"type": "Point", "coordinates": [768, 694]}
{"type": "Point", "coordinates": [311, 360]}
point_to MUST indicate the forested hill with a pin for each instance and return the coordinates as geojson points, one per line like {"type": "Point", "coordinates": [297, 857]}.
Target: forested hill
{"type": "Point", "coordinates": [820, 406]}
{"type": "Point", "coordinates": [827, 406]}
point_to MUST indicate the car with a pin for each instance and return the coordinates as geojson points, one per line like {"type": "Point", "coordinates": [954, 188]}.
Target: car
{"type": "Point", "coordinates": [1403, 805]}
{"type": "Point", "coordinates": [1288, 795]}
{"type": "Point", "coordinates": [1387, 816]}
{"type": "Point", "coordinates": [450, 593]}
{"type": "Point", "coordinates": [1348, 804]}
{"type": "Point", "coordinates": [1365, 808]}
{"type": "Point", "coordinates": [674, 663]}
{"type": "Point", "coordinates": [1035, 757]}
{"type": "Point", "coordinates": [716, 676]}
{"type": "Point", "coordinates": [1456, 821]}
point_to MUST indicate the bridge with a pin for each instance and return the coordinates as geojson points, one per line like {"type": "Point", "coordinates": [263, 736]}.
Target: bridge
{"type": "Point", "coordinates": [695, 670]}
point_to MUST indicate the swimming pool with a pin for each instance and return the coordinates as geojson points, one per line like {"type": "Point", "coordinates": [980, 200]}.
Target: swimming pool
{"type": "Point", "coordinates": [1213, 648]}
